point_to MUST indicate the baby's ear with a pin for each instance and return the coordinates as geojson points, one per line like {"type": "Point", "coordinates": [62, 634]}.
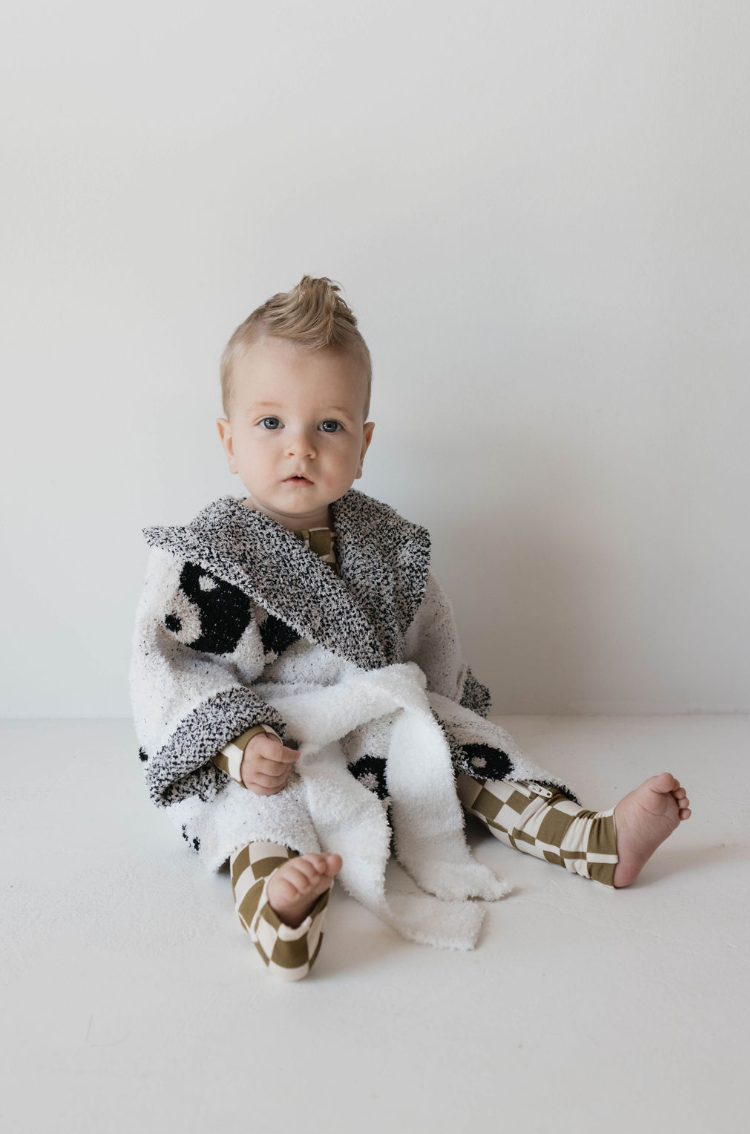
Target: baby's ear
{"type": "Point", "coordinates": [225, 436]}
{"type": "Point", "coordinates": [366, 439]}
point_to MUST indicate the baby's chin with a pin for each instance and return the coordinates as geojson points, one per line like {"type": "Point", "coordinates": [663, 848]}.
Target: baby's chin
{"type": "Point", "coordinates": [293, 512]}
{"type": "Point", "coordinates": [295, 498]}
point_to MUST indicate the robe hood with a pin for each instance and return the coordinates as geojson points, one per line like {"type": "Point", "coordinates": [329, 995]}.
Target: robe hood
{"type": "Point", "coordinates": [361, 614]}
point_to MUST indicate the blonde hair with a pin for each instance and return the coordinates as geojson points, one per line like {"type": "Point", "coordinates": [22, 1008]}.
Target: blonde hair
{"type": "Point", "coordinates": [312, 314]}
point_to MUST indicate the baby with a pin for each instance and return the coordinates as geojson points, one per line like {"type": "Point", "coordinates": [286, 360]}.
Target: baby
{"type": "Point", "coordinates": [277, 640]}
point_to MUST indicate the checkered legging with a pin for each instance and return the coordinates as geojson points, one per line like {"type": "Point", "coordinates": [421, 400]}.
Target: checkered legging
{"type": "Point", "coordinates": [522, 814]}
{"type": "Point", "coordinates": [289, 953]}
{"type": "Point", "coordinates": [544, 823]}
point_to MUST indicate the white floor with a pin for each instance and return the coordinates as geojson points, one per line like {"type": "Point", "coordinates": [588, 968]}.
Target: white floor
{"type": "Point", "coordinates": [133, 1001]}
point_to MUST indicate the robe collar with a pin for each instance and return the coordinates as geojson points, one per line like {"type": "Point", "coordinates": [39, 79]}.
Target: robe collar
{"type": "Point", "coordinates": [361, 614]}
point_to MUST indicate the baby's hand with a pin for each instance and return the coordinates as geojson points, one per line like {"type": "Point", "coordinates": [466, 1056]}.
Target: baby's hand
{"type": "Point", "coordinates": [266, 764]}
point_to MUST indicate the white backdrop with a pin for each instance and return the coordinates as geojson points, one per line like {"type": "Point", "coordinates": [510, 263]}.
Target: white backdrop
{"type": "Point", "coordinates": [538, 212]}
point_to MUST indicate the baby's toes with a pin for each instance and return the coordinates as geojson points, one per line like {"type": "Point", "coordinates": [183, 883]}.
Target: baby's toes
{"type": "Point", "coordinates": [333, 863]}
{"type": "Point", "coordinates": [682, 801]}
{"type": "Point", "coordinates": [316, 864]}
{"type": "Point", "coordinates": [286, 887]}
{"type": "Point", "coordinates": [304, 875]}
{"type": "Point", "coordinates": [293, 888]}
{"type": "Point", "coordinates": [668, 782]}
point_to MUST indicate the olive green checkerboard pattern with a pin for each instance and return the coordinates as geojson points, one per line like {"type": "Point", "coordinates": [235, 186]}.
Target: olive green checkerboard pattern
{"type": "Point", "coordinates": [323, 541]}
{"type": "Point", "coordinates": [288, 953]}
{"type": "Point", "coordinates": [546, 824]}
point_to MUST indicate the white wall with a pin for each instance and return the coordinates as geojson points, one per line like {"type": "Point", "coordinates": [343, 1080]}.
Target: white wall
{"type": "Point", "coordinates": [538, 211]}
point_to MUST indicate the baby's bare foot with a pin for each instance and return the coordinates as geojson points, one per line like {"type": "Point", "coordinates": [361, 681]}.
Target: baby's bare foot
{"type": "Point", "coordinates": [297, 884]}
{"type": "Point", "coordinates": [645, 818]}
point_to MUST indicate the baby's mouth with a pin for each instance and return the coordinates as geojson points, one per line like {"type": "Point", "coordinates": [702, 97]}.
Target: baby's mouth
{"type": "Point", "coordinates": [297, 480]}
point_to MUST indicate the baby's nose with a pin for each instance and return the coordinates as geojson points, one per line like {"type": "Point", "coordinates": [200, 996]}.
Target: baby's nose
{"type": "Point", "coordinates": [300, 444]}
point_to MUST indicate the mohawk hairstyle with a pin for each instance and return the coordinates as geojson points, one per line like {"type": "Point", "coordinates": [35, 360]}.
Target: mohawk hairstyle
{"type": "Point", "coordinates": [312, 314]}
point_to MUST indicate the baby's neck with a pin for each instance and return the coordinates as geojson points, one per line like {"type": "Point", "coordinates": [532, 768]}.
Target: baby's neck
{"type": "Point", "coordinates": [322, 518]}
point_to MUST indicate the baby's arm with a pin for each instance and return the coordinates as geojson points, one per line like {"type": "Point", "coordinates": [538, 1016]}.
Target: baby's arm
{"type": "Point", "coordinates": [432, 642]}
{"type": "Point", "coordinates": [188, 704]}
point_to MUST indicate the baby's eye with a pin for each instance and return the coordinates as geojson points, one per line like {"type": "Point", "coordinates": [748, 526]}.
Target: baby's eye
{"type": "Point", "coordinates": [270, 423]}
{"type": "Point", "coordinates": [330, 426]}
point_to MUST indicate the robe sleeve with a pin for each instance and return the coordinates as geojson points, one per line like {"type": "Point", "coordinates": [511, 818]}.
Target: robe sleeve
{"type": "Point", "coordinates": [189, 702]}
{"type": "Point", "coordinates": [432, 642]}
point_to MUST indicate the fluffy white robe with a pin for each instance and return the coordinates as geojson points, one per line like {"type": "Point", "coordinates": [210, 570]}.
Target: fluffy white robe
{"type": "Point", "coordinates": [240, 624]}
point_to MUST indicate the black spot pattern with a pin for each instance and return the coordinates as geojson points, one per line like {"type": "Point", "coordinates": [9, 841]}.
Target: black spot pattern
{"type": "Point", "coordinates": [370, 771]}
{"type": "Point", "coordinates": [142, 754]}
{"type": "Point", "coordinates": [492, 764]}
{"type": "Point", "coordinates": [225, 611]}
{"type": "Point", "coordinates": [496, 765]}
{"type": "Point", "coordinates": [276, 635]}
{"type": "Point", "coordinates": [362, 615]}
{"type": "Point", "coordinates": [483, 762]}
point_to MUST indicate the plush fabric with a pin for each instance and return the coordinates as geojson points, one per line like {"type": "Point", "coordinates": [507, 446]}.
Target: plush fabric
{"type": "Point", "coordinates": [241, 624]}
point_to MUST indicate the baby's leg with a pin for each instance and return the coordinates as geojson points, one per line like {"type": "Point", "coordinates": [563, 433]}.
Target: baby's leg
{"type": "Point", "coordinates": [289, 950]}
{"type": "Point", "coordinates": [545, 823]}
{"type": "Point", "coordinates": [609, 846]}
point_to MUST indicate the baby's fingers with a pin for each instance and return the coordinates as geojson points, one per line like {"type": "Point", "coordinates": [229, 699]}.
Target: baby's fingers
{"type": "Point", "coordinates": [262, 780]}
{"type": "Point", "coordinates": [265, 747]}
{"type": "Point", "coordinates": [271, 767]}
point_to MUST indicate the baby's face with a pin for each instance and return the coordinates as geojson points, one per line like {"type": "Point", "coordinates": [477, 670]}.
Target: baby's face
{"type": "Point", "coordinates": [296, 433]}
